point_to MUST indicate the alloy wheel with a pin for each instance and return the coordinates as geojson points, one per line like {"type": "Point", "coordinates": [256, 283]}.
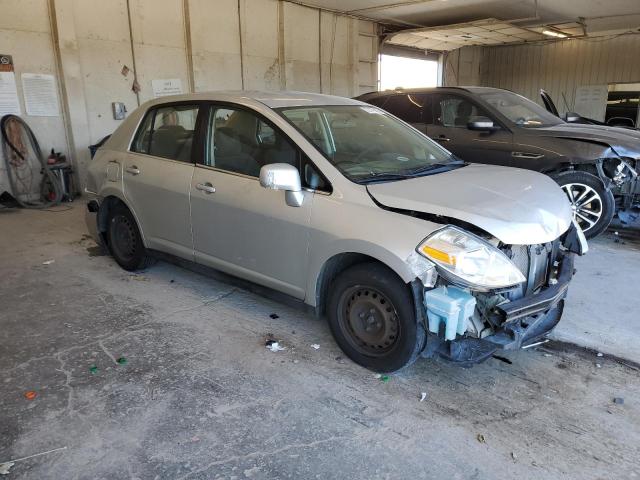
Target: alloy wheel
{"type": "Point", "coordinates": [585, 203]}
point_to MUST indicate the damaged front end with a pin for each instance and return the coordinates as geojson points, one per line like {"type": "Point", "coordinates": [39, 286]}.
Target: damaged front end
{"type": "Point", "coordinates": [467, 323]}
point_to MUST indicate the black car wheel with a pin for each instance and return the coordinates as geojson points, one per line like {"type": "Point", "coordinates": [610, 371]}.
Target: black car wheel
{"type": "Point", "coordinates": [593, 205]}
{"type": "Point", "coordinates": [125, 241]}
{"type": "Point", "coordinates": [372, 317]}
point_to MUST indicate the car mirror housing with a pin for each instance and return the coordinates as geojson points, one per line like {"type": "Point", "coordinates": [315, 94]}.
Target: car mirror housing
{"type": "Point", "coordinates": [282, 176]}
{"type": "Point", "coordinates": [483, 124]}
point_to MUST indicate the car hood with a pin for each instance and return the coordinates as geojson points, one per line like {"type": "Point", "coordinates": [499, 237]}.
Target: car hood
{"type": "Point", "coordinates": [624, 141]}
{"type": "Point", "coordinates": [518, 207]}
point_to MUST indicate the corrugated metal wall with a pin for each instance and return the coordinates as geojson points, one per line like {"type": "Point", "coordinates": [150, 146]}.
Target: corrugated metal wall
{"type": "Point", "coordinates": [558, 67]}
{"type": "Point", "coordinates": [561, 67]}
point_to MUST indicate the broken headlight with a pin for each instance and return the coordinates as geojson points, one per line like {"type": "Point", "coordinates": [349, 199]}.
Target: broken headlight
{"type": "Point", "coordinates": [469, 260]}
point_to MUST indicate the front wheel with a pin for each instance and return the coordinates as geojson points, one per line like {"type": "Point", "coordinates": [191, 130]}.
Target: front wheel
{"type": "Point", "coordinates": [593, 205]}
{"type": "Point", "coordinates": [372, 318]}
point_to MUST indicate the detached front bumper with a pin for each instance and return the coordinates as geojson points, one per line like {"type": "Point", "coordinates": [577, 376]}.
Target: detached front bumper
{"type": "Point", "coordinates": [522, 323]}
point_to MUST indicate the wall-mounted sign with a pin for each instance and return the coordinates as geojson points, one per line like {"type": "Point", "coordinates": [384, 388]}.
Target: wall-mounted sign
{"type": "Point", "coordinates": [6, 63]}
{"type": "Point", "coordinates": [40, 95]}
{"type": "Point", "coordinates": [164, 87]}
{"type": "Point", "coordinates": [9, 103]}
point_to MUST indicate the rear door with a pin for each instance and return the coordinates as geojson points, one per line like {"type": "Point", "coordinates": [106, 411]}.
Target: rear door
{"type": "Point", "coordinates": [448, 125]}
{"type": "Point", "coordinates": [157, 177]}
{"type": "Point", "coordinates": [238, 226]}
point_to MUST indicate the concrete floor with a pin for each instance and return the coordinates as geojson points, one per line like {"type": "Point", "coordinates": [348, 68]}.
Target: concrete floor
{"type": "Point", "coordinates": [200, 396]}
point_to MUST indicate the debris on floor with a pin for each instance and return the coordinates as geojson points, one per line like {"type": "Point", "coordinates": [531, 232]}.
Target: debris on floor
{"type": "Point", "coordinates": [423, 396]}
{"type": "Point", "coordinates": [5, 466]}
{"type": "Point", "coordinates": [274, 316]}
{"type": "Point", "coordinates": [514, 456]}
{"type": "Point", "coordinates": [598, 365]}
{"type": "Point", "coordinates": [274, 346]}
{"type": "Point", "coordinates": [382, 378]}
{"type": "Point", "coordinates": [480, 438]}
{"type": "Point", "coordinates": [30, 395]}
{"type": "Point", "coordinates": [139, 278]}
{"type": "Point", "coordinates": [93, 369]}
{"type": "Point", "coordinates": [618, 400]}
{"type": "Point", "coordinates": [48, 262]}
{"type": "Point", "coordinates": [599, 354]}
{"type": "Point", "coordinates": [315, 346]}
{"type": "Point", "coordinates": [121, 361]}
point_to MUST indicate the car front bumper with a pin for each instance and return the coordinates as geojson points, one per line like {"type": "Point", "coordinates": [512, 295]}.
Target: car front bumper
{"type": "Point", "coordinates": [522, 323]}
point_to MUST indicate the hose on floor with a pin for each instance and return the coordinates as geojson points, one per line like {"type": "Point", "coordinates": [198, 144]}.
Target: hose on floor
{"type": "Point", "coordinates": [21, 151]}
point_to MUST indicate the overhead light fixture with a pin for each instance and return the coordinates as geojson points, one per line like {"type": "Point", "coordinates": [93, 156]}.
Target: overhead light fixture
{"type": "Point", "coordinates": [553, 33]}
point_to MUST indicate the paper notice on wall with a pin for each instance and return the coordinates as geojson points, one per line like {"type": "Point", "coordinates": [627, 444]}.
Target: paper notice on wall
{"type": "Point", "coordinates": [9, 103]}
{"type": "Point", "coordinates": [591, 101]}
{"type": "Point", "coordinates": [40, 95]}
{"type": "Point", "coordinates": [164, 87]}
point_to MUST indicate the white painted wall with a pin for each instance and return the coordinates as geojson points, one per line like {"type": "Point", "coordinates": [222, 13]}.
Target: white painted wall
{"type": "Point", "coordinates": [207, 44]}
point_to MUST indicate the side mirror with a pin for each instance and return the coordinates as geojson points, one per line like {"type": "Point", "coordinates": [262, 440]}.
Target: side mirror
{"type": "Point", "coordinates": [572, 117]}
{"type": "Point", "coordinates": [482, 124]}
{"type": "Point", "coordinates": [282, 176]}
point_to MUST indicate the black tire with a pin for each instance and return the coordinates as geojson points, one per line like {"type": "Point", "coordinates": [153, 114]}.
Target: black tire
{"type": "Point", "coordinates": [125, 241]}
{"type": "Point", "coordinates": [576, 183]}
{"type": "Point", "coordinates": [371, 296]}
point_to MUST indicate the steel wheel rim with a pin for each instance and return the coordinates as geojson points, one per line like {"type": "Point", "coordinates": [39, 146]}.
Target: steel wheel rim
{"type": "Point", "coordinates": [368, 320]}
{"type": "Point", "coordinates": [124, 237]}
{"type": "Point", "coordinates": [586, 204]}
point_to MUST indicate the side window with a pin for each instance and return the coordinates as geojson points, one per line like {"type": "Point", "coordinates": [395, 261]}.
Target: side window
{"type": "Point", "coordinates": [143, 135]}
{"type": "Point", "coordinates": [454, 111]}
{"type": "Point", "coordinates": [406, 107]}
{"type": "Point", "coordinates": [168, 132]}
{"type": "Point", "coordinates": [240, 142]}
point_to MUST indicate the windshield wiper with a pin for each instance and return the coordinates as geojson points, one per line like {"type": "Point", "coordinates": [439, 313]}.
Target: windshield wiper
{"type": "Point", "coordinates": [434, 166]}
{"type": "Point", "coordinates": [382, 177]}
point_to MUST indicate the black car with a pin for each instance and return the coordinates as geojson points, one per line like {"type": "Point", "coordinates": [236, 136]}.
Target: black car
{"type": "Point", "coordinates": [490, 125]}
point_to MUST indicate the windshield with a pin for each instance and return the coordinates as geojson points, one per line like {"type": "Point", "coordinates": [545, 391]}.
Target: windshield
{"type": "Point", "coordinates": [520, 110]}
{"type": "Point", "coordinates": [367, 144]}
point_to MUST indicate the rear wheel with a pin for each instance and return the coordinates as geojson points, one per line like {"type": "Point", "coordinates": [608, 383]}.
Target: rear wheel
{"type": "Point", "coordinates": [593, 205]}
{"type": "Point", "coordinates": [125, 241]}
{"type": "Point", "coordinates": [372, 318]}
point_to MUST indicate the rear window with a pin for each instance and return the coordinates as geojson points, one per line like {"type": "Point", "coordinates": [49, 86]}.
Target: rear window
{"type": "Point", "coordinates": [167, 132]}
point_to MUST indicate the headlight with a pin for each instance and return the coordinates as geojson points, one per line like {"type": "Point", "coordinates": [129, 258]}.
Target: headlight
{"type": "Point", "coordinates": [469, 259]}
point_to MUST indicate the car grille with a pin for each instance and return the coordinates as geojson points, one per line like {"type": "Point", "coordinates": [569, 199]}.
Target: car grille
{"type": "Point", "coordinates": [534, 261]}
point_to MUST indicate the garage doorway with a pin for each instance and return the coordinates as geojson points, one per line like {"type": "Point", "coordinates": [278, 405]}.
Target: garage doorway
{"type": "Point", "coordinates": [405, 72]}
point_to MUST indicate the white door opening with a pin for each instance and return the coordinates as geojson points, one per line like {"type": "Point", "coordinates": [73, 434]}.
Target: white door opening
{"type": "Point", "coordinates": [403, 72]}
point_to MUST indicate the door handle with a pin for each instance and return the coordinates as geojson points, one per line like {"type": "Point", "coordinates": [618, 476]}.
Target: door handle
{"type": "Point", "coordinates": [206, 187]}
{"type": "Point", "coordinates": [528, 156]}
{"type": "Point", "coordinates": [443, 139]}
{"type": "Point", "coordinates": [133, 170]}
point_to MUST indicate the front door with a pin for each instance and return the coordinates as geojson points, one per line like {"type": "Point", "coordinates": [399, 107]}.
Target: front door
{"type": "Point", "coordinates": [157, 177]}
{"type": "Point", "coordinates": [240, 227]}
{"type": "Point", "coordinates": [448, 126]}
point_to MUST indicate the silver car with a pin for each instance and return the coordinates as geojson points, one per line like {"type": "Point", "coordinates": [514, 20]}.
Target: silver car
{"type": "Point", "coordinates": [405, 249]}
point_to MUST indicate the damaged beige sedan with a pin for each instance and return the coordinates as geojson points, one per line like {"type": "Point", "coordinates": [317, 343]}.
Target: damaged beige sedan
{"type": "Point", "coordinates": [405, 249]}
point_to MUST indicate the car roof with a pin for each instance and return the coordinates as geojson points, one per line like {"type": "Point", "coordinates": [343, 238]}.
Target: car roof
{"type": "Point", "coordinates": [400, 91]}
{"type": "Point", "coordinates": [275, 99]}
